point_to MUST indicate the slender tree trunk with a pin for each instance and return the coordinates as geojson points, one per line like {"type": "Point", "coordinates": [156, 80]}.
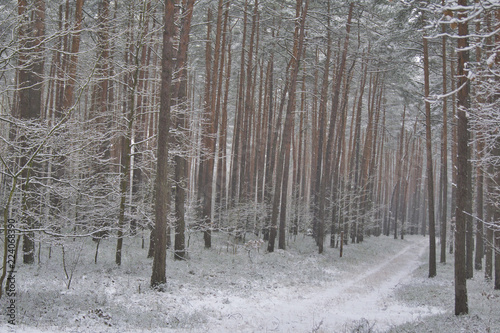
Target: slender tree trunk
{"type": "Point", "coordinates": [496, 209]}
{"type": "Point", "coordinates": [461, 303]}
{"type": "Point", "coordinates": [496, 153]}
{"type": "Point", "coordinates": [489, 233]}
{"type": "Point", "coordinates": [301, 158]}
{"type": "Point", "coordinates": [430, 173]}
{"type": "Point", "coordinates": [315, 127]}
{"type": "Point", "coordinates": [238, 124]}
{"type": "Point", "coordinates": [180, 171]}
{"type": "Point", "coordinates": [204, 180]}
{"type": "Point", "coordinates": [285, 144]}
{"type": "Point", "coordinates": [284, 192]}
{"type": "Point", "coordinates": [444, 155]}
{"type": "Point", "coordinates": [453, 154]}
{"type": "Point", "coordinates": [404, 191]}
{"type": "Point", "coordinates": [268, 182]}
{"type": "Point", "coordinates": [399, 165]}
{"type": "Point", "coordinates": [221, 191]}
{"type": "Point", "coordinates": [478, 259]}
{"type": "Point", "coordinates": [338, 181]}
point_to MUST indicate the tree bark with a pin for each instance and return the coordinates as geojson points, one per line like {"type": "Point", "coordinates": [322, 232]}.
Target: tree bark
{"type": "Point", "coordinates": [238, 124]}
{"type": "Point", "coordinates": [461, 303]}
{"type": "Point", "coordinates": [158, 276]}
{"type": "Point", "coordinates": [321, 163]}
{"type": "Point", "coordinates": [444, 155]}
{"type": "Point", "coordinates": [335, 109]}
{"type": "Point", "coordinates": [30, 79]}
{"type": "Point", "coordinates": [496, 213]}
{"type": "Point", "coordinates": [285, 144]}
{"type": "Point", "coordinates": [496, 154]}
{"type": "Point", "coordinates": [489, 234]}
{"type": "Point", "coordinates": [73, 61]}
{"type": "Point", "coordinates": [180, 171]}
{"type": "Point", "coordinates": [430, 173]}
{"type": "Point", "coordinates": [221, 181]}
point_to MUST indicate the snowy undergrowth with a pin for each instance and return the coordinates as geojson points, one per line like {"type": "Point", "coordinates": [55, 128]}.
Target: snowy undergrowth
{"type": "Point", "coordinates": [212, 290]}
{"type": "Point", "coordinates": [484, 302]}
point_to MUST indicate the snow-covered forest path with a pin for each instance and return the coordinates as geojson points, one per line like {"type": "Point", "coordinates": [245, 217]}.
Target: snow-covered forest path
{"type": "Point", "coordinates": [366, 294]}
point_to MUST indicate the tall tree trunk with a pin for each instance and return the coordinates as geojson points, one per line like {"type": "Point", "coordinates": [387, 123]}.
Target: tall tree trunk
{"type": "Point", "coordinates": [285, 143]}
{"type": "Point", "coordinates": [489, 233]}
{"type": "Point", "coordinates": [284, 190]}
{"type": "Point", "coordinates": [496, 210]}
{"type": "Point", "coordinates": [444, 155]}
{"type": "Point", "coordinates": [338, 181]}
{"type": "Point", "coordinates": [221, 191]}
{"type": "Point", "coordinates": [478, 259]}
{"type": "Point", "coordinates": [348, 167]}
{"type": "Point", "coordinates": [461, 303]}
{"type": "Point", "coordinates": [321, 163]}
{"type": "Point", "coordinates": [404, 190]}
{"type": "Point", "coordinates": [399, 165]}
{"type": "Point", "coordinates": [354, 172]}
{"type": "Point", "coordinates": [245, 182]}
{"type": "Point", "coordinates": [238, 124]}
{"type": "Point", "coordinates": [158, 276]}
{"type": "Point", "coordinates": [180, 94]}
{"type": "Point", "coordinates": [454, 142]}
{"type": "Point", "coordinates": [315, 127]}
{"type": "Point", "coordinates": [496, 154]}
{"type": "Point", "coordinates": [269, 165]}
{"type": "Point", "coordinates": [430, 173]}
{"type": "Point", "coordinates": [30, 79]}
{"type": "Point", "coordinates": [300, 168]}
{"type": "Point", "coordinates": [326, 177]}
{"type": "Point", "coordinates": [205, 193]}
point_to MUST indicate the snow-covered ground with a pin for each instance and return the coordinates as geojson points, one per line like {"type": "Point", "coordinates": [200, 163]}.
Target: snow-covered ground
{"type": "Point", "coordinates": [380, 285]}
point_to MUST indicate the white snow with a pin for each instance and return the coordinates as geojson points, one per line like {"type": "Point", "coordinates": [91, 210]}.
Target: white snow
{"type": "Point", "coordinates": [491, 60]}
{"type": "Point", "coordinates": [380, 285]}
{"type": "Point", "coordinates": [364, 294]}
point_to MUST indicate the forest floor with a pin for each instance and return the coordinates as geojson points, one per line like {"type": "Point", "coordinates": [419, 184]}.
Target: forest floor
{"type": "Point", "coordinates": [379, 285]}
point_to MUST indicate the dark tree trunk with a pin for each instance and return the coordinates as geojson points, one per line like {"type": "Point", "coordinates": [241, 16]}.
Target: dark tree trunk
{"type": "Point", "coordinates": [180, 172]}
{"type": "Point", "coordinates": [430, 173]}
{"type": "Point", "coordinates": [158, 276]}
{"type": "Point", "coordinates": [321, 163]}
{"type": "Point", "coordinates": [30, 79]}
{"type": "Point", "coordinates": [461, 303]}
{"type": "Point", "coordinates": [444, 157]}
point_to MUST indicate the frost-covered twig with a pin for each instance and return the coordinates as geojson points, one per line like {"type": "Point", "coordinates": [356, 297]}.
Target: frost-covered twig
{"type": "Point", "coordinates": [69, 276]}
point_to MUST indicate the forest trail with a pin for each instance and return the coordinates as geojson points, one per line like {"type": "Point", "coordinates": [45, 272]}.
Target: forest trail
{"type": "Point", "coordinates": [356, 296]}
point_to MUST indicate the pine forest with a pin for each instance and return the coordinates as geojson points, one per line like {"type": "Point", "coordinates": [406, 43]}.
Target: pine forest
{"type": "Point", "coordinates": [250, 166]}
